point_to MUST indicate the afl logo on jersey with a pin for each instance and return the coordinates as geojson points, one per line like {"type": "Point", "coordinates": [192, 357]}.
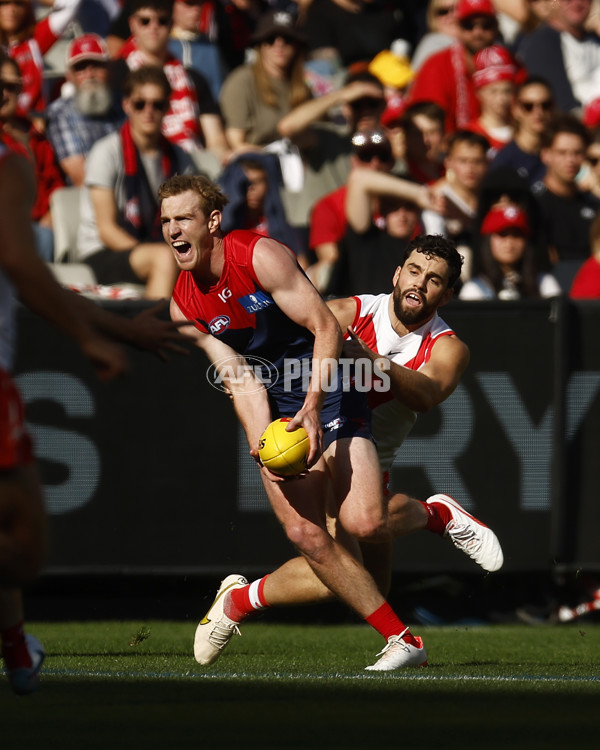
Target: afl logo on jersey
{"type": "Point", "coordinates": [219, 325]}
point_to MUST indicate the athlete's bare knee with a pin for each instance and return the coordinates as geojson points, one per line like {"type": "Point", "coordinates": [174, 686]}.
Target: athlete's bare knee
{"type": "Point", "coordinates": [365, 526]}
{"type": "Point", "coordinates": [312, 541]}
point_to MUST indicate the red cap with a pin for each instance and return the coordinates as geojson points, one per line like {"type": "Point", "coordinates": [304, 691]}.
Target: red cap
{"type": "Point", "coordinates": [393, 111]}
{"type": "Point", "coordinates": [466, 8]}
{"type": "Point", "coordinates": [87, 47]}
{"type": "Point", "coordinates": [493, 64]}
{"type": "Point", "coordinates": [591, 114]}
{"type": "Point", "coordinates": [505, 217]}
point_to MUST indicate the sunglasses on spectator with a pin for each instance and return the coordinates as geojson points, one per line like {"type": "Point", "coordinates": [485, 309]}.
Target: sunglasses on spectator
{"type": "Point", "coordinates": [147, 20]}
{"type": "Point", "coordinates": [367, 102]}
{"type": "Point", "coordinates": [158, 105]}
{"type": "Point", "coordinates": [593, 160]}
{"type": "Point", "coordinates": [485, 24]}
{"type": "Point", "coordinates": [12, 87]}
{"type": "Point", "coordinates": [270, 40]}
{"type": "Point", "coordinates": [82, 65]}
{"type": "Point", "coordinates": [367, 154]}
{"type": "Point", "coordinates": [546, 105]}
{"type": "Point", "coordinates": [442, 12]}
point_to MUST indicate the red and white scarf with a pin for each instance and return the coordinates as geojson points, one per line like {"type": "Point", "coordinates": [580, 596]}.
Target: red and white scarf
{"type": "Point", "coordinates": [180, 124]}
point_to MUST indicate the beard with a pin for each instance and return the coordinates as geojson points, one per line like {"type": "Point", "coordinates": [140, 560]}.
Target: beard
{"type": "Point", "coordinates": [93, 99]}
{"type": "Point", "coordinates": [409, 315]}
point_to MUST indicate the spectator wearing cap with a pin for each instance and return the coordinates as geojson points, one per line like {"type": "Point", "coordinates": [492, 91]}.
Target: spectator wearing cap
{"type": "Point", "coordinates": [567, 211]}
{"type": "Point", "coordinates": [256, 96]}
{"type": "Point", "coordinates": [84, 112]}
{"type": "Point", "coordinates": [370, 150]}
{"type": "Point", "coordinates": [494, 79]}
{"type": "Point", "coordinates": [193, 120]}
{"type": "Point", "coordinates": [508, 260]}
{"type": "Point", "coordinates": [531, 109]}
{"type": "Point", "coordinates": [563, 51]}
{"type": "Point", "coordinates": [446, 77]}
{"type": "Point", "coordinates": [120, 234]}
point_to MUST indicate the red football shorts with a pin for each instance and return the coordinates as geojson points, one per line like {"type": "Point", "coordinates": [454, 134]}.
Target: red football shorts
{"type": "Point", "coordinates": [15, 443]}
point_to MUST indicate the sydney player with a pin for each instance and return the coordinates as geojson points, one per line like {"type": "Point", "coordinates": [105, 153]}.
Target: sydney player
{"type": "Point", "coordinates": [219, 276]}
{"type": "Point", "coordinates": [425, 360]}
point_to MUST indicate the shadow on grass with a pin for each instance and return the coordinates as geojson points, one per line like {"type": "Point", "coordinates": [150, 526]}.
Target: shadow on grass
{"type": "Point", "coordinates": [223, 714]}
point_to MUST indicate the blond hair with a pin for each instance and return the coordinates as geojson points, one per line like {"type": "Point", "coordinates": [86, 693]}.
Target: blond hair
{"type": "Point", "coordinates": [210, 195]}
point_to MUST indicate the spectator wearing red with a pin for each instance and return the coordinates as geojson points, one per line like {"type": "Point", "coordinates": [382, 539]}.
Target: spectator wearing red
{"type": "Point", "coordinates": [586, 284]}
{"type": "Point", "coordinates": [27, 41]}
{"type": "Point", "coordinates": [19, 134]}
{"type": "Point", "coordinates": [509, 270]}
{"type": "Point", "coordinates": [446, 77]}
{"type": "Point", "coordinates": [193, 121]}
{"type": "Point", "coordinates": [328, 223]}
{"type": "Point", "coordinates": [494, 81]}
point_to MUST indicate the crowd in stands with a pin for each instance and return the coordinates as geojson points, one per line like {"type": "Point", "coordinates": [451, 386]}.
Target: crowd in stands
{"type": "Point", "coordinates": [343, 128]}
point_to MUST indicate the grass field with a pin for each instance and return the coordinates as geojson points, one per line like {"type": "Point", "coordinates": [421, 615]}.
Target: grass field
{"type": "Point", "coordinates": [297, 686]}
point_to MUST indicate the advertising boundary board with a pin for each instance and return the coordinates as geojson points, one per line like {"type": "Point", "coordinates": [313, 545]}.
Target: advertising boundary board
{"type": "Point", "coordinates": [151, 474]}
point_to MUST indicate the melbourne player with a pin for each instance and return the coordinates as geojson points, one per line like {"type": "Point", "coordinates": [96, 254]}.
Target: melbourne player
{"type": "Point", "coordinates": [247, 296]}
{"type": "Point", "coordinates": [424, 360]}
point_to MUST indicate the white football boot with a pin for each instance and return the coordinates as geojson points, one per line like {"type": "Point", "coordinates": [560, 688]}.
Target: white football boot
{"type": "Point", "coordinates": [215, 629]}
{"type": "Point", "coordinates": [471, 536]}
{"type": "Point", "coordinates": [25, 680]}
{"type": "Point", "coordinates": [397, 654]}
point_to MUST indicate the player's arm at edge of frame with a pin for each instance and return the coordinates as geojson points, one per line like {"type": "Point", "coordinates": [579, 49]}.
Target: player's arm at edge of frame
{"type": "Point", "coordinates": [33, 280]}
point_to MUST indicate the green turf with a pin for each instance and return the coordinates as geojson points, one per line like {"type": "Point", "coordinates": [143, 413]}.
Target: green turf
{"type": "Point", "coordinates": [289, 687]}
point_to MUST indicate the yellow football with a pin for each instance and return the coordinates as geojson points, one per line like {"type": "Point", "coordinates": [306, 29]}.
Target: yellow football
{"type": "Point", "coordinates": [282, 452]}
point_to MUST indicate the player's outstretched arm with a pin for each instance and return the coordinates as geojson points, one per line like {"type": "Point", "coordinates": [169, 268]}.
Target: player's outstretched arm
{"type": "Point", "coordinates": [35, 284]}
{"type": "Point", "coordinates": [146, 330]}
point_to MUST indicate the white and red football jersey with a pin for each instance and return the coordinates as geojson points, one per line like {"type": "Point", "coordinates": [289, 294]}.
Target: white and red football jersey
{"type": "Point", "coordinates": [392, 421]}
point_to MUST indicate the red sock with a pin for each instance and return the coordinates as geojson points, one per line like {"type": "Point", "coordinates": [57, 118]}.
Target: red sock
{"type": "Point", "coordinates": [243, 601]}
{"type": "Point", "coordinates": [438, 517]}
{"type": "Point", "coordinates": [386, 622]}
{"type": "Point", "coordinates": [14, 648]}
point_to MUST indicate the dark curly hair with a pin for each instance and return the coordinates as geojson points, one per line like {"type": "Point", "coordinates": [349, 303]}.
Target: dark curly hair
{"type": "Point", "coordinates": [439, 247]}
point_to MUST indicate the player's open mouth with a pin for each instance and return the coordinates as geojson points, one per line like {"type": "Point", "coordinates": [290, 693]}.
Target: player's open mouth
{"type": "Point", "coordinates": [413, 299]}
{"type": "Point", "coordinates": [181, 248]}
